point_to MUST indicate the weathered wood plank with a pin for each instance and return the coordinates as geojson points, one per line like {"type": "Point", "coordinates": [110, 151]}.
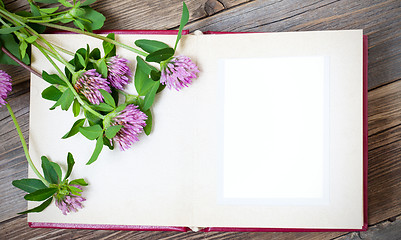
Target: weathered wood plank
{"type": "Point", "coordinates": [17, 228]}
{"type": "Point", "coordinates": [380, 20]}
{"type": "Point", "coordinates": [388, 230]}
{"type": "Point", "coordinates": [384, 107]}
{"type": "Point", "coordinates": [138, 14]}
{"type": "Point", "coordinates": [384, 182]}
{"type": "Point", "coordinates": [12, 159]}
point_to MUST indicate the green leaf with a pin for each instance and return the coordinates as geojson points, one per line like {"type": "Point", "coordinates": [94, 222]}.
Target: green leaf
{"type": "Point", "coordinates": [75, 190]}
{"type": "Point", "coordinates": [46, 1]}
{"type": "Point", "coordinates": [41, 194]}
{"type": "Point", "coordinates": [39, 208]}
{"type": "Point", "coordinates": [58, 170]}
{"type": "Point", "coordinates": [161, 88]}
{"type": "Point", "coordinates": [96, 19]}
{"type": "Point", "coordinates": [96, 152]}
{"type": "Point", "coordinates": [160, 55]}
{"type": "Point", "coordinates": [31, 39]}
{"type": "Point", "coordinates": [29, 184]}
{"type": "Point", "coordinates": [184, 21]}
{"type": "Point", "coordinates": [120, 108]}
{"type": "Point", "coordinates": [107, 143]}
{"type": "Point", "coordinates": [150, 96]}
{"type": "Point", "coordinates": [87, 2]}
{"type": "Point", "coordinates": [8, 41]}
{"type": "Point", "coordinates": [53, 78]}
{"type": "Point", "coordinates": [79, 181]}
{"type": "Point", "coordinates": [79, 24]}
{"type": "Point", "coordinates": [66, 3]}
{"type": "Point", "coordinates": [95, 54]}
{"type": "Point", "coordinates": [52, 93]}
{"type": "Point", "coordinates": [144, 66]}
{"type": "Point", "coordinates": [22, 48]}
{"type": "Point", "coordinates": [70, 164]}
{"type": "Point", "coordinates": [65, 100]}
{"type": "Point", "coordinates": [107, 98]}
{"type": "Point", "coordinates": [10, 29]}
{"type": "Point", "coordinates": [91, 132]}
{"type": "Point", "coordinates": [49, 10]}
{"type": "Point", "coordinates": [91, 117]}
{"type": "Point", "coordinates": [81, 60]}
{"type": "Point", "coordinates": [143, 83]}
{"type": "Point", "coordinates": [76, 108]}
{"type": "Point", "coordinates": [1, 4]}
{"type": "Point", "coordinates": [112, 131]}
{"type": "Point", "coordinates": [109, 48]}
{"type": "Point", "coordinates": [35, 9]}
{"type": "Point", "coordinates": [150, 45]}
{"type": "Point", "coordinates": [102, 67]}
{"type": "Point", "coordinates": [148, 128]}
{"type": "Point", "coordinates": [102, 107]}
{"type": "Point", "coordinates": [155, 75]}
{"type": "Point", "coordinates": [49, 172]}
{"type": "Point", "coordinates": [75, 128]}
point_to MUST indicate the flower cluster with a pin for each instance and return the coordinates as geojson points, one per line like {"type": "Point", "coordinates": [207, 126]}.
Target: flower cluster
{"type": "Point", "coordinates": [91, 81]}
{"type": "Point", "coordinates": [5, 86]}
{"type": "Point", "coordinates": [70, 202]}
{"type": "Point", "coordinates": [119, 72]}
{"type": "Point", "coordinates": [178, 72]}
{"type": "Point", "coordinates": [133, 121]}
{"type": "Point", "coordinates": [89, 84]}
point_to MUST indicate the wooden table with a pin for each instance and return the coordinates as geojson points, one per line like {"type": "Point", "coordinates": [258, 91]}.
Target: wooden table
{"type": "Point", "coordinates": [381, 21]}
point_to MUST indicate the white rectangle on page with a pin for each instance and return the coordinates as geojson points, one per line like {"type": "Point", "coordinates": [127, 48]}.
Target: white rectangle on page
{"type": "Point", "coordinates": [275, 130]}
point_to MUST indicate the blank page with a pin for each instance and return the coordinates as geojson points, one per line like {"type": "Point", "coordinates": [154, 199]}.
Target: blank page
{"type": "Point", "coordinates": [283, 140]}
{"type": "Point", "coordinates": [282, 117]}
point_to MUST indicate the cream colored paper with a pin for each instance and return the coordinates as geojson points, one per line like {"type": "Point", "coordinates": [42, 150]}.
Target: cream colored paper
{"type": "Point", "coordinates": [173, 177]}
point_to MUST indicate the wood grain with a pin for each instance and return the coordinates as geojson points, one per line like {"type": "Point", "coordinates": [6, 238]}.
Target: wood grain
{"type": "Point", "coordinates": [384, 108]}
{"type": "Point", "coordinates": [381, 21]}
{"type": "Point", "coordinates": [16, 228]}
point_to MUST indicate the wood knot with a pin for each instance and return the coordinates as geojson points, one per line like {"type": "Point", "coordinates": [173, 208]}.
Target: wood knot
{"type": "Point", "coordinates": [213, 6]}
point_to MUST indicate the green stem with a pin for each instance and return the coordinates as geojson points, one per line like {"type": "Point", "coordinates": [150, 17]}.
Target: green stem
{"type": "Point", "coordinates": [63, 50]}
{"type": "Point", "coordinates": [25, 147]}
{"type": "Point", "coordinates": [48, 15]}
{"type": "Point", "coordinates": [45, 20]}
{"type": "Point", "coordinates": [4, 23]}
{"type": "Point", "coordinates": [96, 36]}
{"type": "Point", "coordinates": [22, 64]}
{"type": "Point", "coordinates": [83, 104]}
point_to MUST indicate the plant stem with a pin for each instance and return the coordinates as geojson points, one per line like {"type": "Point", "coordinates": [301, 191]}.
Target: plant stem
{"type": "Point", "coordinates": [25, 147]}
{"type": "Point", "coordinates": [48, 15]}
{"type": "Point", "coordinates": [44, 20]}
{"type": "Point", "coordinates": [63, 50]}
{"type": "Point", "coordinates": [95, 36]}
{"type": "Point", "coordinates": [20, 62]}
{"type": "Point", "coordinates": [83, 104]}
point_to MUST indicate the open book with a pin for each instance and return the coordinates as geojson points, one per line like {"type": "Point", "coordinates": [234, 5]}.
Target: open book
{"type": "Point", "coordinates": [271, 136]}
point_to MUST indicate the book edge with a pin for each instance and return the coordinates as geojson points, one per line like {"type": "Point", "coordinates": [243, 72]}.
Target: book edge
{"type": "Point", "coordinates": [229, 229]}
